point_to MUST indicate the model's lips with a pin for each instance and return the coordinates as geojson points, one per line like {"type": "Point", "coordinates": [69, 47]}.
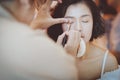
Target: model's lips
{"type": "Point", "coordinates": [82, 49]}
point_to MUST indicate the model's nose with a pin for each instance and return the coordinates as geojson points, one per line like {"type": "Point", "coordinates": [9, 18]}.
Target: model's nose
{"type": "Point", "coordinates": [78, 26]}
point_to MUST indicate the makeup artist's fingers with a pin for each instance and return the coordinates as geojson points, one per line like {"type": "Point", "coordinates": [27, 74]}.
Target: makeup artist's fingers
{"type": "Point", "coordinates": [48, 3]}
{"type": "Point", "coordinates": [60, 38]}
{"type": "Point", "coordinates": [53, 5]}
{"type": "Point", "coordinates": [38, 4]}
{"type": "Point", "coordinates": [55, 2]}
{"type": "Point", "coordinates": [45, 21]}
{"type": "Point", "coordinates": [60, 1]}
{"type": "Point", "coordinates": [74, 37]}
{"type": "Point", "coordinates": [73, 42]}
{"type": "Point", "coordinates": [44, 18]}
{"type": "Point", "coordinates": [59, 20]}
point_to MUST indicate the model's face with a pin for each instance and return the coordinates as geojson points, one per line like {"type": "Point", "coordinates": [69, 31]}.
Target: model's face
{"type": "Point", "coordinates": [82, 20]}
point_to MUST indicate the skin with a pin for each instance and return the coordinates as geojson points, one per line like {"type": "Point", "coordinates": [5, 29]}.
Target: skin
{"type": "Point", "coordinates": [82, 18]}
{"type": "Point", "coordinates": [82, 28]}
{"type": "Point", "coordinates": [36, 18]}
{"type": "Point", "coordinates": [32, 59]}
{"type": "Point", "coordinates": [43, 20]}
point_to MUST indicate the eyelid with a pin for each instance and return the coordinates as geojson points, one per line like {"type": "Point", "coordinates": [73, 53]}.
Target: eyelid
{"type": "Point", "coordinates": [85, 21]}
{"type": "Point", "coordinates": [68, 17]}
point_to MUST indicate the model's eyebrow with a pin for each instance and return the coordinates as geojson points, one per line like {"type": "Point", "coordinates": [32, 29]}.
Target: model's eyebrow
{"type": "Point", "coordinates": [68, 17]}
{"type": "Point", "coordinates": [73, 17]}
{"type": "Point", "coordinates": [85, 15]}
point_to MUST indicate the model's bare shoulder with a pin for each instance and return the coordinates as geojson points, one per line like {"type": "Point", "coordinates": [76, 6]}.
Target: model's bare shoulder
{"type": "Point", "coordinates": [111, 63]}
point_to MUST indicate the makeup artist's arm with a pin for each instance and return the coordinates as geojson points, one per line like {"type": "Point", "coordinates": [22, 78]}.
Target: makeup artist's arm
{"type": "Point", "coordinates": [73, 41]}
{"type": "Point", "coordinates": [32, 56]}
{"type": "Point", "coordinates": [44, 19]}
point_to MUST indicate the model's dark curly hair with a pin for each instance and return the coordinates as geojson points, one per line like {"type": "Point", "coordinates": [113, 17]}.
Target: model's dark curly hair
{"type": "Point", "coordinates": [98, 23]}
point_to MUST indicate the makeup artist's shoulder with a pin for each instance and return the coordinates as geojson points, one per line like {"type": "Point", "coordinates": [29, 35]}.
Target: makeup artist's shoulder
{"type": "Point", "coordinates": [19, 32]}
{"type": "Point", "coordinates": [17, 27]}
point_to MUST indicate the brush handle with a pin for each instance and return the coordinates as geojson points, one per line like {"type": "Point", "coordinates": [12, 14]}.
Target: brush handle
{"type": "Point", "coordinates": [64, 40]}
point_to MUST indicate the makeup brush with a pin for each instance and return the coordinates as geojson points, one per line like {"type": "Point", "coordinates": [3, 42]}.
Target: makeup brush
{"type": "Point", "coordinates": [66, 37]}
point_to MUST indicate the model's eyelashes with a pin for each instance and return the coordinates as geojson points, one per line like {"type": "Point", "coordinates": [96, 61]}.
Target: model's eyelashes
{"type": "Point", "coordinates": [82, 19]}
{"type": "Point", "coordinates": [85, 21]}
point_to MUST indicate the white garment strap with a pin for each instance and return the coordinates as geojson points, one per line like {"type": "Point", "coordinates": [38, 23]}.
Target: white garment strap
{"type": "Point", "coordinates": [104, 62]}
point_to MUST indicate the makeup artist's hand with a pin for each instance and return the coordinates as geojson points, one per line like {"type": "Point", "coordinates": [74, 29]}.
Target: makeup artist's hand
{"type": "Point", "coordinates": [44, 19]}
{"type": "Point", "coordinates": [73, 41]}
{"type": "Point", "coordinates": [60, 1]}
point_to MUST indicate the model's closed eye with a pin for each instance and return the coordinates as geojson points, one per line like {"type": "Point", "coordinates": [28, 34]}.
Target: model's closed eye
{"type": "Point", "coordinates": [85, 21]}
{"type": "Point", "coordinates": [85, 18]}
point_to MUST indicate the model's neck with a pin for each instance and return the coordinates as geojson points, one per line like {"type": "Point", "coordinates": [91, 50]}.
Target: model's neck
{"type": "Point", "coordinates": [90, 51]}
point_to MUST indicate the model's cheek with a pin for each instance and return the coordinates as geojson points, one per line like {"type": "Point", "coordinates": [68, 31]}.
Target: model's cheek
{"type": "Point", "coordinates": [87, 34]}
